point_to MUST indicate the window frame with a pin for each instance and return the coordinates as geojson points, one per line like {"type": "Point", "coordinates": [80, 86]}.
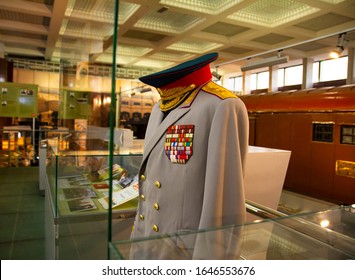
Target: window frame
{"type": "Point", "coordinates": [322, 133]}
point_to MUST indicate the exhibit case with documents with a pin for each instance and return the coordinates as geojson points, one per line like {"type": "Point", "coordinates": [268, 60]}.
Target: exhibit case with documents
{"type": "Point", "coordinates": [78, 192]}
{"type": "Point", "coordinates": [82, 169]}
{"type": "Point", "coordinates": [324, 235]}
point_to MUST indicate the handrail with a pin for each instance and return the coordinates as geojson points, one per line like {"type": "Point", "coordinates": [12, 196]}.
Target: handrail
{"type": "Point", "coordinates": [262, 211]}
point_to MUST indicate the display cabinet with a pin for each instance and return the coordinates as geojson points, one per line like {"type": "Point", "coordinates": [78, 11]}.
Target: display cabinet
{"type": "Point", "coordinates": [325, 235]}
{"type": "Point", "coordinates": [78, 189]}
{"type": "Point", "coordinates": [16, 146]}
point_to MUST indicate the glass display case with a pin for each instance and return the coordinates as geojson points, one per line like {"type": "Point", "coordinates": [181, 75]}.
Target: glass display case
{"type": "Point", "coordinates": [325, 235]}
{"type": "Point", "coordinates": [78, 189]}
{"type": "Point", "coordinates": [16, 146]}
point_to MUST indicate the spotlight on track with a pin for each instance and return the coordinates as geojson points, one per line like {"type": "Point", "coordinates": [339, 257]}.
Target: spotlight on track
{"type": "Point", "coordinates": [337, 51]}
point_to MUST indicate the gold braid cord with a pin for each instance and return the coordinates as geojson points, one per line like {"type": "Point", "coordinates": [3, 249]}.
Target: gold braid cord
{"type": "Point", "coordinates": [171, 98]}
{"type": "Point", "coordinates": [218, 90]}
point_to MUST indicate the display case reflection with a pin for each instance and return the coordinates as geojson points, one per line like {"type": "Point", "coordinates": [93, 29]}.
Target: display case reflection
{"type": "Point", "coordinates": [16, 148]}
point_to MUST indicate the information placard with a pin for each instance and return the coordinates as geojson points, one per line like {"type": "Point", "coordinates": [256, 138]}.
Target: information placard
{"type": "Point", "coordinates": [18, 100]}
{"type": "Point", "coordinates": [74, 105]}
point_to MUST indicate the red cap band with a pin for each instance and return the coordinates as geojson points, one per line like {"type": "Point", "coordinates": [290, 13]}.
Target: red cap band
{"type": "Point", "coordinates": [197, 78]}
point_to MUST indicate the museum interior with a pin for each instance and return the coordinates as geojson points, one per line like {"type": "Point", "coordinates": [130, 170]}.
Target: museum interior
{"type": "Point", "coordinates": [74, 116]}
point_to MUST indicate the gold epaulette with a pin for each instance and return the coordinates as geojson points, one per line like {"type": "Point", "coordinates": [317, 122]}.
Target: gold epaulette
{"type": "Point", "coordinates": [219, 91]}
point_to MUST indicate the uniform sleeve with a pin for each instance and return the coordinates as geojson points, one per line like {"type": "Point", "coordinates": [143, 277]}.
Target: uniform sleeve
{"type": "Point", "coordinates": [224, 201]}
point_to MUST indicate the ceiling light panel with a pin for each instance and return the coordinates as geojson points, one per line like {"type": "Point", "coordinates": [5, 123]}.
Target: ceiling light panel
{"type": "Point", "coordinates": [92, 30]}
{"type": "Point", "coordinates": [121, 59]}
{"type": "Point", "coordinates": [94, 10]}
{"type": "Point", "coordinates": [126, 10]}
{"type": "Point", "coordinates": [272, 13]}
{"type": "Point", "coordinates": [333, 1]}
{"type": "Point", "coordinates": [168, 21]}
{"type": "Point", "coordinates": [176, 57]}
{"type": "Point", "coordinates": [211, 7]}
{"type": "Point", "coordinates": [132, 50]}
{"type": "Point", "coordinates": [194, 46]}
{"type": "Point", "coordinates": [153, 63]}
{"type": "Point", "coordinates": [91, 9]}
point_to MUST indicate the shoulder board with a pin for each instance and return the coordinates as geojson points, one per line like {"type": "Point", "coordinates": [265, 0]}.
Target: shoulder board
{"type": "Point", "coordinates": [218, 90]}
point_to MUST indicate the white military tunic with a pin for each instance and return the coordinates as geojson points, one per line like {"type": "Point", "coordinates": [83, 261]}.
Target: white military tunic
{"type": "Point", "coordinates": [208, 189]}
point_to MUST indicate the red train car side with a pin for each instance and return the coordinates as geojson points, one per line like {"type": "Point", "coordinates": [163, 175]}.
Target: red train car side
{"type": "Point", "coordinates": [318, 126]}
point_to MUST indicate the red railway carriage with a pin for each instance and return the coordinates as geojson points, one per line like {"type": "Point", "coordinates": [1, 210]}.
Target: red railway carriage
{"type": "Point", "coordinates": [318, 126]}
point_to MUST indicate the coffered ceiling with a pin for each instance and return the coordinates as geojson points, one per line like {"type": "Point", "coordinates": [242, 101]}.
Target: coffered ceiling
{"type": "Point", "coordinates": [157, 34]}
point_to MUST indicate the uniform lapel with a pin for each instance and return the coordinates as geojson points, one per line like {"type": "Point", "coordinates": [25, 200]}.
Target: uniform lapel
{"type": "Point", "coordinates": [158, 128]}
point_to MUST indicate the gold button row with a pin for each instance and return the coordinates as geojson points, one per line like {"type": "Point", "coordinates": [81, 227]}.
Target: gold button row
{"type": "Point", "coordinates": [156, 183]}
{"type": "Point", "coordinates": [155, 227]}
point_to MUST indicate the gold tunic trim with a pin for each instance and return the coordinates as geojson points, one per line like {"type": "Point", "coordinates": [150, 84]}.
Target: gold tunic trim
{"type": "Point", "coordinates": [218, 90]}
{"type": "Point", "coordinates": [167, 94]}
{"type": "Point", "coordinates": [171, 98]}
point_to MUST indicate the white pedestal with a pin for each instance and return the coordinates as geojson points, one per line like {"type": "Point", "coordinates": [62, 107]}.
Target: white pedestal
{"type": "Point", "coordinates": [264, 178]}
{"type": "Point", "coordinates": [265, 174]}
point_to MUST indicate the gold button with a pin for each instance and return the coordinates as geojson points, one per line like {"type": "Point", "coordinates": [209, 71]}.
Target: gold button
{"type": "Point", "coordinates": [155, 228]}
{"type": "Point", "coordinates": [142, 197]}
{"type": "Point", "coordinates": [156, 206]}
{"type": "Point", "coordinates": [141, 217]}
{"type": "Point", "coordinates": [157, 184]}
{"type": "Point", "coordinates": [142, 177]}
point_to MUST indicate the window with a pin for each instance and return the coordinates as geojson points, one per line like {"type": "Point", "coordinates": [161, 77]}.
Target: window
{"type": "Point", "coordinates": [253, 81]}
{"type": "Point", "coordinates": [238, 84]}
{"type": "Point", "coordinates": [333, 69]}
{"type": "Point", "coordinates": [259, 80]}
{"type": "Point", "coordinates": [281, 77]}
{"type": "Point", "coordinates": [323, 132]}
{"type": "Point", "coordinates": [315, 75]}
{"type": "Point", "coordinates": [290, 76]}
{"type": "Point", "coordinates": [293, 75]}
{"type": "Point", "coordinates": [347, 134]}
{"type": "Point", "coordinates": [235, 84]}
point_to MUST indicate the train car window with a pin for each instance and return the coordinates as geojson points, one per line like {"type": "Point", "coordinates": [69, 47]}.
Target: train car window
{"type": "Point", "coordinates": [322, 132]}
{"type": "Point", "coordinates": [347, 135]}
